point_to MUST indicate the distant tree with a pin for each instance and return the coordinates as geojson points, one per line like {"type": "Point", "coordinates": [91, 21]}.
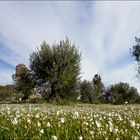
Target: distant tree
{"type": "Point", "coordinates": [136, 53]}
{"type": "Point", "coordinates": [121, 93]}
{"type": "Point", "coordinates": [98, 87]}
{"type": "Point", "coordinates": [58, 66]}
{"type": "Point", "coordinates": [8, 93]}
{"type": "Point", "coordinates": [22, 79]}
{"type": "Point", "coordinates": [86, 91]}
{"type": "Point", "coordinates": [106, 96]}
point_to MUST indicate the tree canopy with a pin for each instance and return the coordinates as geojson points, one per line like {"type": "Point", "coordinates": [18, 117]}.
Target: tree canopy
{"type": "Point", "coordinates": [121, 93]}
{"type": "Point", "coordinates": [136, 53]}
{"type": "Point", "coordinates": [23, 80]}
{"type": "Point", "coordinates": [58, 65]}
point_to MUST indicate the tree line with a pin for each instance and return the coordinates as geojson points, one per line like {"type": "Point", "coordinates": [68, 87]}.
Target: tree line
{"type": "Point", "coordinates": [54, 75]}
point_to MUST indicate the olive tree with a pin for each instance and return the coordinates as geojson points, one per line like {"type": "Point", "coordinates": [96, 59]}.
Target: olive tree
{"type": "Point", "coordinates": [57, 65]}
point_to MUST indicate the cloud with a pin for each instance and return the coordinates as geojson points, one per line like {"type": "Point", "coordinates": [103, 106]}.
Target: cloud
{"type": "Point", "coordinates": [24, 25]}
{"type": "Point", "coordinates": [6, 77]}
{"type": "Point", "coordinates": [103, 31]}
{"type": "Point", "coordinates": [114, 26]}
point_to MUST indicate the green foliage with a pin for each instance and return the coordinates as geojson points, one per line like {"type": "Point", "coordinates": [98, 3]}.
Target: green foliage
{"type": "Point", "coordinates": [98, 87]}
{"type": "Point", "coordinates": [58, 65]}
{"type": "Point", "coordinates": [135, 50]}
{"type": "Point", "coordinates": [86, 91]}
{"type": "Point", "coordinates": [8, 93]}
{"type": "Point", "coordinates": [91, 92]}
{"type": "Point", "coordinates": [121, 93]}
{"type": "Point", "coordinates": [23, 81]}
{"type": "Point", "coordinates": [37, 100]}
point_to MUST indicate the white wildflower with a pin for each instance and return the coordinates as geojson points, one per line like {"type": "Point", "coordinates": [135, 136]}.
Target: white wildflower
{"type": "Point", "coordinates": [138, 125]}
{"type": "Point", "coordinates": [58, 112]}
{"type": "Point", "coordinates": [62, 120]}
{"type": "Point", "coordinates": [15, 121]}
{"type": "Point", "coordinates": [136, 138]}
{"type": "Point", "coordinates": [48, 124]}
{"type": "Point", "coordinates": [110, 123]}
{"type": "Point", "coordinates": [76, 114]}
{"type": "Point", "coordinates": [91, 132]}
{"type": "Point", "coordinates": [42, 131]}
{"type": "Point", "coordinates": [54, 137]}
{"type": "Point", "coordinates": [111, 129]}
{"type": "Point", "coordinates": [37, 116]}
{"type": "Point", "coordinates": [126, 102]}
{"type": "Point", "coordinates": [133, 123]}
{"type": "Point", "coordinates": [116, 130]}
{"type": "Point", "coordinates": [38, 124]}
{"type": "Point", "coordinates": [120, 118]}
{"type": "Point", "coordinates": [28, 121]}
{"type": "Point", "coordinates": [17, 115]}
{"type": "Point", "coordinates": [91, 119]}
{"type": "Point", "coordinates": [98, 124]}
{"type": "Point", "coordinates": [80, 138]}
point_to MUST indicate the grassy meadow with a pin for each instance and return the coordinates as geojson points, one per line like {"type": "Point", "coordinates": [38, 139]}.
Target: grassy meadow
{"type": "Point", "coordinates": [73, 122]}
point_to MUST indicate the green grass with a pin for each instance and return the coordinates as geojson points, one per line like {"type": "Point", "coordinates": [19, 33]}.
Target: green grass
{"type": "Point", "coordinates": [76, 122]}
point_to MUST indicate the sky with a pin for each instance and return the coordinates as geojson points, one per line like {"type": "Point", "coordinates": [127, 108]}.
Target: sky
{"type": "Point", "coordinates": [104, 32]}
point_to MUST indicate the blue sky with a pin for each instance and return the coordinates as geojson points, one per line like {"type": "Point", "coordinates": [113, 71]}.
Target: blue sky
{"type": "Point", "coordinates": [104, 31]}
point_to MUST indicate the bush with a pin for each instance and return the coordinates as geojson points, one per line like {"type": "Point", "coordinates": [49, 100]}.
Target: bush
{"type": "Point", "coordinates": [8, 93]}
{"type": "Point", "coordinates": [121, 93]}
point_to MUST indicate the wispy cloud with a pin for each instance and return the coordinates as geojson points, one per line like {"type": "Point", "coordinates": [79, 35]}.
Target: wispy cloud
{"type": "Point", "coordinates": [114, 26]}
{"type": "Point", "coordinates": [103, 31]}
